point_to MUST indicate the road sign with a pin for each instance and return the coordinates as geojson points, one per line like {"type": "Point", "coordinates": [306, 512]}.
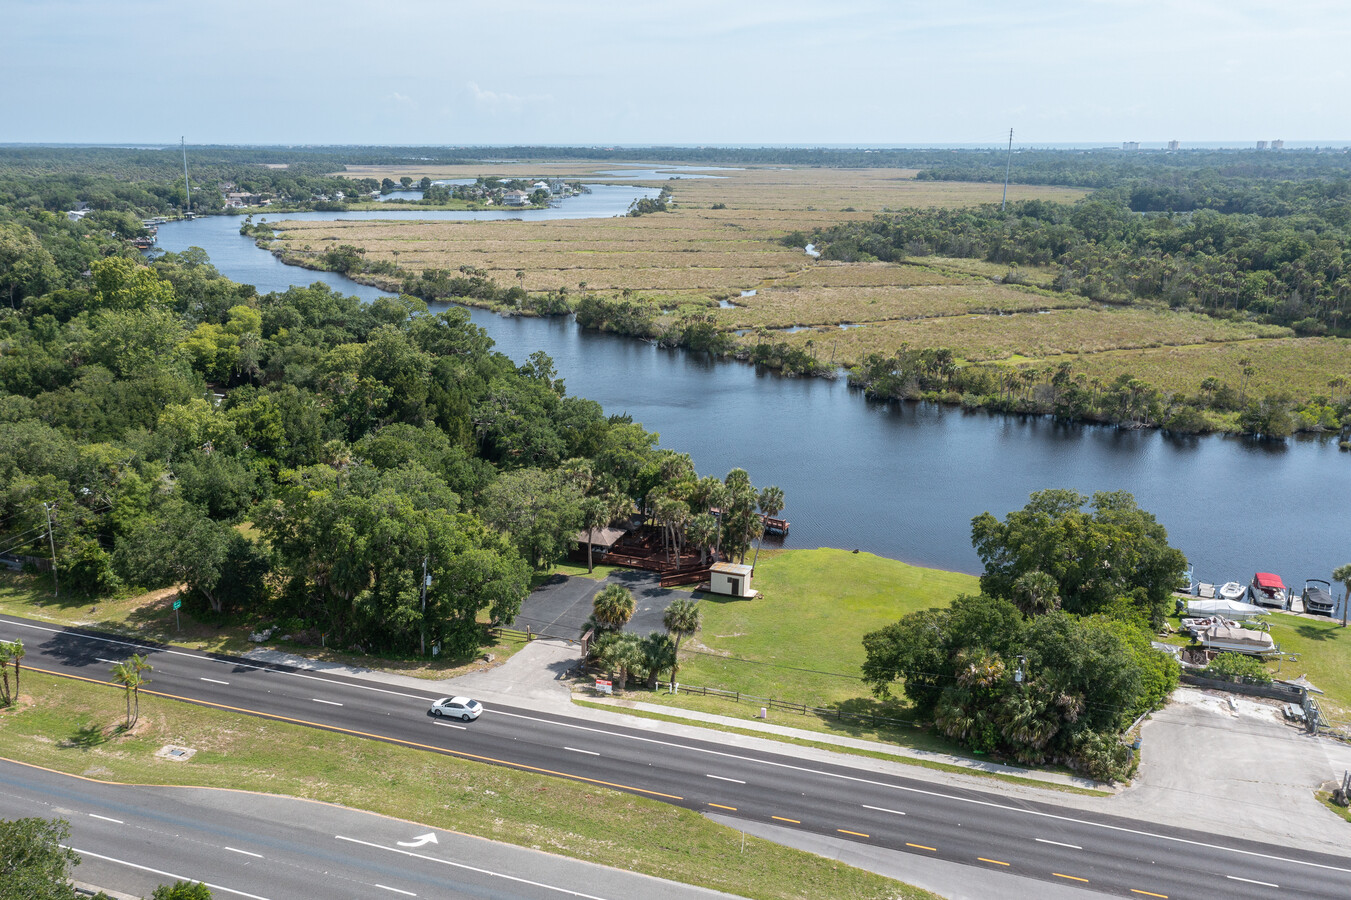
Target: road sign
{"type": "Point", "coordinates": [177, 604]}
{"type": "Point", "coordinates": [604, 686]}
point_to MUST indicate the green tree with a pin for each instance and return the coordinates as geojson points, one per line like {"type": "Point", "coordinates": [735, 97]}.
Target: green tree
{"type": "Point", "coordinates": [771, 504]}
{"type": "Point", "coordinates": [6, 653]}
{"type": "Point", "coordinates": [1343, 574]}
{"type": "Point", "coordinates": [659, 654]}
{"type": "Point", "coordinates": [16, 655]}
{"type": "Point", "coordinates": [180, 544]}
{"type": "Point", "coordinates": [1096, 555]}
{"type": "Point", "coordinates": [35, 864]}
{"type": "Point", "coordinates": [130, 675]}
{"type": "Point", "coordinates": [1035, 592]}
{"type": "Point", "coordinates": [595, 514]}
{"type": "Point", "coordinates": [612, 607]}
{"type": "Point", "coordinates": [682, 619]}
{"type": "Point", "coordinates": [539, 509]}
{"type": "Point", "coordinates": [621, 652]}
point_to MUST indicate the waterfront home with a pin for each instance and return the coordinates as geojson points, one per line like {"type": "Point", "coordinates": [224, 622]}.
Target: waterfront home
{"type": "Point", "coordinates": [515, 198]}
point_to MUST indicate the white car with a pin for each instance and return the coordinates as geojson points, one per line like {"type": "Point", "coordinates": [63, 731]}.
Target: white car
{"type": "Point", "coordinates": [461, 708]}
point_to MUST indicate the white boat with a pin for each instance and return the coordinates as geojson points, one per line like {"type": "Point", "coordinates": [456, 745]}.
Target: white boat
{"type": "Point", "coordinates": [1232, 590]}
{"type": "Point", "coordinates": [1268, 590]}
{"type": "Point", "coordinates": [1233, 609]}
{"type": "Point", "coordinates": [1234, 639]}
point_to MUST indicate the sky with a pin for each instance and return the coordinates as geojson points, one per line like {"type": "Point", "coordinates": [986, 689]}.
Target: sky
{"type": "Point", "coordinates": [753, 72]}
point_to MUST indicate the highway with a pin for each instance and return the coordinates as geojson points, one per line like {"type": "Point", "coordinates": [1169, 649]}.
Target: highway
{"type": "Point", "coordinates": [1040, 841]}
{"type": "Point", "coordinates": [261, 847]}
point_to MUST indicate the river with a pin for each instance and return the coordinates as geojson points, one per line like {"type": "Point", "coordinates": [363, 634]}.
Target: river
{"type": "Point", "coordinates": [899, 479]}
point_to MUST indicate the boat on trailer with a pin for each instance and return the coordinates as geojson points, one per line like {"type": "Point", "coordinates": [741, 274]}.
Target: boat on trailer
{"type": "Point", "coordinates": [1231, 637]}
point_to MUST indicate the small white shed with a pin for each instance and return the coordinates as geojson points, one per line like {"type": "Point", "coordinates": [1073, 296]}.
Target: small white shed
{"type": "Point", "coordinates": [731, 579]}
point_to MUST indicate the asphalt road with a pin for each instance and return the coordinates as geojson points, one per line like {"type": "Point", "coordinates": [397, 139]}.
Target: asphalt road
{"type": "Point", "coordinates": [1040, 841]}
{"type": "Point", "coordinates": [258, 846]}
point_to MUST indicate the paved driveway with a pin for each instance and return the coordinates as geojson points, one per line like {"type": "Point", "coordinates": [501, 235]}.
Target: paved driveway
{"type": "Point", "coordinates": [561, 606]}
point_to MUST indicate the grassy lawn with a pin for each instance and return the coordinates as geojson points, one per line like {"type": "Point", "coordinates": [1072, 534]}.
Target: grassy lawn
{"type": "Point", "coordinates": [803, 641]}
{"type": "Point", "coordinates": [1324, 649]}
{"type": "Point", "coordinates": [71, 726]}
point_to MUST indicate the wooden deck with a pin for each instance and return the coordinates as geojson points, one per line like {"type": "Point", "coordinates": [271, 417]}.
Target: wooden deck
{"type": "Point", "coordinates": [642, 549]}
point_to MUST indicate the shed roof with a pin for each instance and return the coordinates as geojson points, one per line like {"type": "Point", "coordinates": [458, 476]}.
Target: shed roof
{"type": "Point", "coordinates": [727, 568]}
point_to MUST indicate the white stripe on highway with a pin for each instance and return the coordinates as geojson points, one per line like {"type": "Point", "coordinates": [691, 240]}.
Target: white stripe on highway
{"type": "Point", "coordinates": [895, 812]}
{"type": "Point", "coordinates": [123, 862]}
{"type": "Point", "coordinates": [215, 681]}
{"type": "Point", "coordinates": [113, 661]}
{"type": "Point", "coordinates": [721, 778]}
{"type": "Point", "coordinates": [245, 852]}
{"type": "Point", "coordinates": [468, 868]}
{"type": "Point", "coordinates": [587, 752]}
{"type": "Point", "coordinates": [914, 790]}
{"type": "Point", "coordinates": [106, 819]}
{"type": "Point", "coordinates": [396, 890]}
{"type": "Point", "coordinates": [329, 702]}
{"type": "Point", "coordinates": [448, 725]}
{"type": "Point", "coordinates": [1057, 843]}
{"type": "Point", "coordinates": [1250, 881]}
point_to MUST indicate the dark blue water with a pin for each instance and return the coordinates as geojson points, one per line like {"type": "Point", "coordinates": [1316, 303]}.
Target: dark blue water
{"type": "Point", "coordinates": [899, 479]}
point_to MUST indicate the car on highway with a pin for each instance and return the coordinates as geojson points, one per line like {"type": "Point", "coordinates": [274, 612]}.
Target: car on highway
{"type": "Point", "coordinates": [461, 708]}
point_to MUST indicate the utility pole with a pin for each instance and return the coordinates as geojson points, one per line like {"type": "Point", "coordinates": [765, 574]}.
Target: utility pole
{"type": "Point", "coordinates": [51, 541]}
{"type": "Point", "coordinates": [188, 188]}
{"type": "Point", "coordinates": [1007, 166]}
{"type": "Point", "coordinates": [422, 643]}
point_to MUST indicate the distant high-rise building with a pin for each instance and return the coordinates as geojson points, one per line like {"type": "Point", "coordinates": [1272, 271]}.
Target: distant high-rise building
{"type": "Point", "coordinates": [1174, 145]}
{"type": "Point", "coordinates": [1278, 145]}
{"type": "Point", "coordinates": [1130, 145]}
{"type": "Point", "coordinates": [1261, 145]}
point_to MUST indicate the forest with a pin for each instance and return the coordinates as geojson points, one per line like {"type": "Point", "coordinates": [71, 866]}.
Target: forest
{"type": "Point", "coordinates": [296, 456]}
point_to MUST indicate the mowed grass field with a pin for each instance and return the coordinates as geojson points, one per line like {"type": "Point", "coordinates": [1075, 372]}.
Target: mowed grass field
{"type": "Point", "coordinates": [802, 642]}
{"type": "Point", "coordinates": [696, 256]}
{"type": "Point", "coordinates": [72, 726]}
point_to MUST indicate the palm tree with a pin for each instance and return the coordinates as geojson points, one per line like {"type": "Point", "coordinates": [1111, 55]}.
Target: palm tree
{"type": "Point", "coordinates": [5, 653]}
{"type": "Point", "coordinates": [1036, 592]}
{"type": "Point", "coordinates": [659, 654]}
{"type": "Point", "coordinates": [701, 531]}
{"type": "Point", "coordinates": [613, 607]}
{"type": "Point", "coordinates": [1343, 574]}
{"type": "Point", "coordinates": [129, 675]}
{"type": "Point", "coordinates": [16, 653]}
{"type": "Point", "coordinates": [595, 514]}
{"type": "Point", "coordinates": [681, 620]}
{"type": "Point", "coordinates": [771, 503]}
{"type": "Point", "coordinates": [623, 653]}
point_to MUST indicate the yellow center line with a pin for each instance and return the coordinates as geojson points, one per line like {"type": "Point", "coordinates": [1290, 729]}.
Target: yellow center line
{"type": "Point", "coordinates": [1149, 894]}
{"type": "Point", "coordinates": [854, 833]}
{"type": "Point", "coordinates": [921, 847]}
{"type": "Point", "coordinates": [377, 737]}
{"type": "Point", "coordinates": [995, 861]}
{"type": "Point", "coordinates": [720, 806]}
{"type": "Point", "coordinates": [1070, 877]}
{"type": "Point", "coordinates": [782, 819]}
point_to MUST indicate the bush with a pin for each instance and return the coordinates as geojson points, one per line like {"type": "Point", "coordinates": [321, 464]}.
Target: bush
{"type": "Point", "coordinates": [1237, 667]}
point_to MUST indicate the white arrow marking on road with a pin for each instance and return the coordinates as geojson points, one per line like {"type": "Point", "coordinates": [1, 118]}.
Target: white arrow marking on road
{"type": "Point", "coordinates": [428, 838]}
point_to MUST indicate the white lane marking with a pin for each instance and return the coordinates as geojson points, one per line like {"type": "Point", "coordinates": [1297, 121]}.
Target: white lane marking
{"type": "Point", "coordinates": [329, 702]}
{"type": "Point", "coordinates": [914, 790]}
{"type": "Point", "coordinates": [587, 752]}
{"type": "Point", "coordinates": [894, 812]}
{"type": "Point", "coordinates": [721, 778]}
{"type": "Point", "coordinates": [245, 852]}
{"type": "Point", "coordinates": [469, 868]}
{"type": "Point", "coordinates": [123, 862]}
{"type": "Point", "coordinates": [395, 890]}
{"type": "Point", "coordinates": [1057, 843]}
{"type": "Point", "coordinates": [1250, 881]}
{"type": "Point", "coordinates": [112, 661]}
{"type": "Point", "coordinates": [448, 725]}
{"type": "Point", "coordinates": [106, 819]}
{"type": "Point", "coordinates": [264, 667]}
{"type": "Point", "coordinates": [215, 681]}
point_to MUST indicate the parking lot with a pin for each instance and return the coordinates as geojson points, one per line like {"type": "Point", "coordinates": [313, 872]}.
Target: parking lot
{"type": "Point", "coordinates": [561, 606]}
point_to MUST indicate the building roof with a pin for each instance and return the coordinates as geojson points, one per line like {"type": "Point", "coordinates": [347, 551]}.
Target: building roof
{"type": "Point", "coordinates": [727, 568]}
{"type": "Point", "coordinates": [602, 537]}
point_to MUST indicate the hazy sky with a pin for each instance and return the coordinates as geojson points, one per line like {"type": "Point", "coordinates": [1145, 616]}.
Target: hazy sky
{"type": "Point", "coordinates": [646, 71]}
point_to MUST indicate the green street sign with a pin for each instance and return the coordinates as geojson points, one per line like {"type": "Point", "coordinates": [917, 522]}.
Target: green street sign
{"type": "Point", "coordinates": [177, 604]}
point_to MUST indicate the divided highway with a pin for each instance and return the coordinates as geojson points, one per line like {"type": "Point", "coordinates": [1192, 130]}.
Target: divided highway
{"type": "Point", "coordinates": [1037, 840]}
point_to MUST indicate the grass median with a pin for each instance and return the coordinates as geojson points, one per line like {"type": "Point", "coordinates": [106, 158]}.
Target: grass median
{"type": "Point", "coordinates": [72, 726]}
